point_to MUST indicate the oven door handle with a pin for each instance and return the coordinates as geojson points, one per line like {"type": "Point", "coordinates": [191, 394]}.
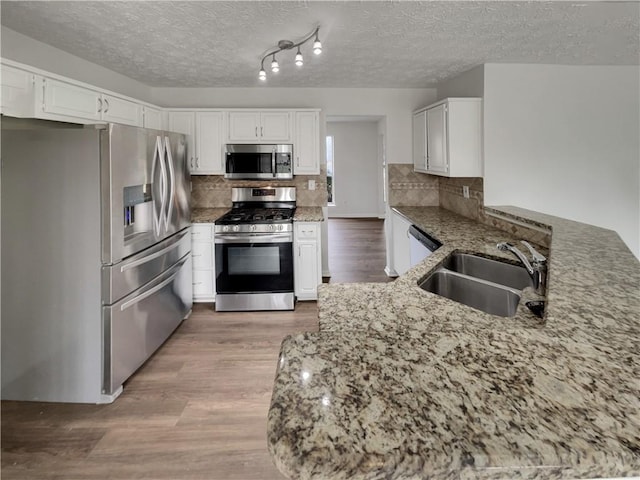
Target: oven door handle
{"type": "Point", "coordinates": [273, 162]}
{"type": "Point", "coordinates": [254, 238]}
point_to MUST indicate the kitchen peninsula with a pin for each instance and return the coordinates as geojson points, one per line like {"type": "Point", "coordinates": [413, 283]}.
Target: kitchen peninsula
{"type": "Point", "coordinates": [403, 384]}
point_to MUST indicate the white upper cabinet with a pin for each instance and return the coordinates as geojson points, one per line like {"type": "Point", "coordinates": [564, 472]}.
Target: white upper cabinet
{"type": "Point", "coordinates": [260, 127]}
{"type": "Point", "coordinates": [209, 143]}
{"type": "Point", "coordinates": [17, 97]}
{"type": "Point", "coordinates": [447, 138]}
{"type": "Point", "coordinates": [306, 149]}
{"type": "Point", "coordinates": [62, 99]}
{"type": "Point", "coordinates": [119, 110]}
{"type": "Point", "coordinates": [152, 118]}
{"type": "Point", "coordinates": [205, 130]}
{"type": "Point", "coordinates": [420, 141]}
{"type": "Point", "coordinates": [185, 122]}
{"type": "Point", "coordinates": [437, 151]}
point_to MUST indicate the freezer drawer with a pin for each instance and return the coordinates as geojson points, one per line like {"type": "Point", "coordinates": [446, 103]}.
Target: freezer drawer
{"type": "Point", "coordinates": [138, 324]}
{"type": "Point", "coordinates": [132, 273]}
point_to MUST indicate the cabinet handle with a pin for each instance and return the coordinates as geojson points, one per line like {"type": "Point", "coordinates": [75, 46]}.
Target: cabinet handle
{"type": "Point", "coordinates": [99, 105]}
{"type": "Point", "coordinates": [407, 233]}
{"type": "Point", "coordinates": [191, 162]}
{"type": "Point", "coordinates": [262, 131]}
{"type": "Point", "coordinates": [107, 102]}
{"type": "Point", "coordinates": [298, 161]}
{"type": "Point", "coordinates": [256, 132]}
{"type": "Point", "coordinates": [197, 162]}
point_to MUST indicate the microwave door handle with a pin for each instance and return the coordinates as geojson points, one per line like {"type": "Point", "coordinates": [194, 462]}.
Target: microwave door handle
{"type": "Point", "coordinates": [273, 162]}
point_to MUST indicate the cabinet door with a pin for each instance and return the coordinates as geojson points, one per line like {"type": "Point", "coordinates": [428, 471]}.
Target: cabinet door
{"type": "Point", "coordinates": [209, 143]}
{"type": "Point", "coordinates": [17, 98]}
{"type": "Point", "coordinates": [244, 126]}
{"type": "Point", "coordinates": [152, 118]}
{"type": "Point", "coordinates": [62, 98]}
{"type": "Point", "coordinates": [420, 142]}
{"type": "Point", "coordinates": [437, 155]}
{"type": "Point", "coordinates": [119, 110]}
{"type": "Point", "coordinates": [307, 260]}
{"type": "Point", "coordinates": [307, 145]}
{"type": "Point", "coordinates": [275, 127]}
{"type": "Point", "coordinates": [401, 243]}
{"type": "Point", "coordinates": [184, 122]}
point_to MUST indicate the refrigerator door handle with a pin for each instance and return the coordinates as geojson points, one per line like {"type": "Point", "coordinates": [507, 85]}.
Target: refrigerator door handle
{"type": "Point", "coordinates": [171, 184]}
{"type": "Point", "coordinates": [158, 159]}
{"type": "Point", "coordinates": [151, 291]}
{"type": "Point", "coordinates": [155, 255]}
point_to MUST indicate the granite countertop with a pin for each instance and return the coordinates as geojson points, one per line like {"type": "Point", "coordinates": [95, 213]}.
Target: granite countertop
{"type": "Point", "coordinates": [308, 214]}
{"type": "Point", "coordinates": [207, 215]}
{"type": "Point", "coordinates": [403, 384]}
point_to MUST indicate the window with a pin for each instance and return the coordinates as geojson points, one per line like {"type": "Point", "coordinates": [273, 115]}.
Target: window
{"type": "Point", "coordinates": [330, 176]}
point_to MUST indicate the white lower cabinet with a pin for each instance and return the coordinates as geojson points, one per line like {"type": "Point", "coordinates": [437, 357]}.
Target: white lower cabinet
{"type": "Point", "coordinates": [203, 256]}
{"type": "Point", "coordinates": [400, 229]}
{"type": "Point", "coordinates": [307, 259]}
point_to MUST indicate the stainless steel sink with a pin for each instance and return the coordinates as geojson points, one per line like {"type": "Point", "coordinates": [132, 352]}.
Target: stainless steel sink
{"type": "Point", "coordinates": [476, 293]}
{"type": "Point", "coordinates": [494, 271]}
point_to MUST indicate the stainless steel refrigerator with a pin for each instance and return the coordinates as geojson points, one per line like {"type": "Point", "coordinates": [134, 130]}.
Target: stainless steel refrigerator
{"type": "Point", "coordinates": [96, 264]}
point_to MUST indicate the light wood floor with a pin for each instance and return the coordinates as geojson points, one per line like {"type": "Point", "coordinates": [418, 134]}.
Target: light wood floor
{"type": "Point", "coordinates": [198, 408]}
{"type": "Point", "coordinates": [357, 250]}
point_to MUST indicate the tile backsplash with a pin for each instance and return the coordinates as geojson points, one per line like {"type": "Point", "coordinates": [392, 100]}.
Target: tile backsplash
{"type": "Point", "coordinates": [411, 189]}
{"type": "Point", "coordinates": [214, 191]}
{"type": "Point", "coordinates": [408, 188]}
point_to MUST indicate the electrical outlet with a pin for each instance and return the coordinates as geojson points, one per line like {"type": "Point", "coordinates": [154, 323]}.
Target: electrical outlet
{"type": "Point", "coordinates": [465, 191]}
{"type": "Point", "coordinates": [312, 184]}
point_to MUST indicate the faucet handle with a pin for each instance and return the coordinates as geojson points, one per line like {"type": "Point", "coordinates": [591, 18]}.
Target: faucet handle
{"type": "Point", "coordinates": [537, 256]}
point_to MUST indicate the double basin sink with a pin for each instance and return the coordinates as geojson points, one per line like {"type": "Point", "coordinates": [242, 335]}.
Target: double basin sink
{"type": "Point", "coordinates": [489, 285]}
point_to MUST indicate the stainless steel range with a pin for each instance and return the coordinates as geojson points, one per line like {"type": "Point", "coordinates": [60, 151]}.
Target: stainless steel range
{"type": "Point", "coordinates": [254, 250]}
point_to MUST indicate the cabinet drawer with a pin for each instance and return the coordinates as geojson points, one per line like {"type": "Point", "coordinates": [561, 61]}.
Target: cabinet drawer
{"type": "Point", "coordinates": [306, 231]}
{"type": "Point", "coordinates": [201, 232]}
{"type": "Point", "coordinates": [202, 256]}
{"type": "Point", "coordinates": [203, 283]}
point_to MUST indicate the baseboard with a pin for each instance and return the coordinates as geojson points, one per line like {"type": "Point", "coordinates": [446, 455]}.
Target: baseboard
{"type": "Point", "coordinates": [390, 272]}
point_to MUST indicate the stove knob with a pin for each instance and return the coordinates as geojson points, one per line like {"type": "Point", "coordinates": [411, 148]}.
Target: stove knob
{"type": "Point", "coordinates": [236, 228]}
{"type": "Point", "coordinates": [225, 228]}
{"type": "Point", "coordinates": [253, 228]}
{"type": "Point", "coordinates": [279, 227]}
{"type": "Point", "coordinates": [271, 228]}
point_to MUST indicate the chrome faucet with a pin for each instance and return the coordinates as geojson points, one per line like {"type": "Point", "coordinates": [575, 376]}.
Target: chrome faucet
{"type": "Point", "coordinates": [537, 268]}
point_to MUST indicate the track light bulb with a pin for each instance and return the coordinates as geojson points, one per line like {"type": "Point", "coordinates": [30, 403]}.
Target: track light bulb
{"type": "Point", "coordinates": [275, 68]}
{"type": "Point", "coordinates": [317, 46]}
{"type": "Point", "coordinates": [262, 75]}
{"type": "Point", "coordinates": [299, 60]}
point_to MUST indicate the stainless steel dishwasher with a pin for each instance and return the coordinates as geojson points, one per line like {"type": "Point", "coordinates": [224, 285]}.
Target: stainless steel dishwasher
{"type": "Point", "coordinates": [421, 245]}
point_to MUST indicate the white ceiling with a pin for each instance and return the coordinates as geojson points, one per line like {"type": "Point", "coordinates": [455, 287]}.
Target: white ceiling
{"type": "Point", "coordinates": [366, 43]}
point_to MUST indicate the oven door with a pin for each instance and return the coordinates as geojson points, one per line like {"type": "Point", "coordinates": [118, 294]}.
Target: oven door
{"type": "Point", "coordinates": [250, 263]}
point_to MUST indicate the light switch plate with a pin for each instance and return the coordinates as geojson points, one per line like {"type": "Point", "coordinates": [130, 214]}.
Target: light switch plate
{"type": "Point", "coordinates": [465, 191]}
{"type": "Point", "coordinates": [312, 184]}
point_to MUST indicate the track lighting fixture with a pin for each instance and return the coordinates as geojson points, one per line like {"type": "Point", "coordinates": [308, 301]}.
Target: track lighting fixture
{"type": "Point", "coordinates": [288, 45]}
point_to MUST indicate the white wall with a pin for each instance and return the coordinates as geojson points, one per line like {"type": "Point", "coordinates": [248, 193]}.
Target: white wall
{"type": "Point", "coordinates": [356, 168]}
{"type": "Point", "coordinates": [564, 140]}
{"type": "Point", "coordinates": [397, 104]}
{"type": "Point", "coordinates": [23, 49]}
{"type": "Point", "coordinates": [467, 84]}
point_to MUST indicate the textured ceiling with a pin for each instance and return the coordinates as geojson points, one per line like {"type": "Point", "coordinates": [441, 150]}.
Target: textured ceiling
{"type": "Point", "coordinates": [366, 43]}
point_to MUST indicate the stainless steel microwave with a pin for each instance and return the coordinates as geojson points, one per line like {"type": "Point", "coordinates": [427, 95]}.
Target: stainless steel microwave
{"type": "Point", "coordinates": [258, 162]}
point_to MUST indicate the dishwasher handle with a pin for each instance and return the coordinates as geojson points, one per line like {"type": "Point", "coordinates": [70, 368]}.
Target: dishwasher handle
{"type": "Point", "coordinates": [424, 238]}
